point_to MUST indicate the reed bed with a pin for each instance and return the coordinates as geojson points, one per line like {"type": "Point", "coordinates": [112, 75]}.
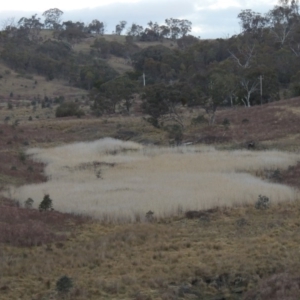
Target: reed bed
{"type": "Point", "coordinates": [115, 180]}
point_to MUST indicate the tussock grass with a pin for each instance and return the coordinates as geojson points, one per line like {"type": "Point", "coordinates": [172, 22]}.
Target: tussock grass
{"type": "Point", "coordinates": [114, 180]}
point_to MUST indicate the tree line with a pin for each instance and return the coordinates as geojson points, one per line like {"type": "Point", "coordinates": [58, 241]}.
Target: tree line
{"type": "Point", "coordinates": [259, 65]}
{"type": "Point", "coordinates": [74, 31]}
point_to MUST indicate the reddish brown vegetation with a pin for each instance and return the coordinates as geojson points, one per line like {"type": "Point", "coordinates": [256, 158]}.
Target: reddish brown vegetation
{"type": "Point", "coordinates": [292, 176]}
{"type": "Point", "coordinates": [272, 121]}
{"type": "Point", "coordinates": [282, 286]}
{"type": "Point", "coordinates": [28, 227]}
{"type": "Point", "coordinates": [13, 141]}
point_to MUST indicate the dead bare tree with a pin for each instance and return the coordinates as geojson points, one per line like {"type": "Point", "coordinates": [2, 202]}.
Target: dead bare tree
{"type": "Point", "coordinates": [244, 56]}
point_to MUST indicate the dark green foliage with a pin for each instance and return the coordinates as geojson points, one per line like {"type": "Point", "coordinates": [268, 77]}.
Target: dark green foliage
{"type": "Point", "coordinates": [200, 119]}
{"type": "Point", "coordinates": [64, 284]}
{"type": "Point", "coordinates": [29, 203]}
{"type": "Point", "coordinates": [276, 175]}
{"type": "Point", "coordinates": [59, 100]}
{"type": "Point", "coordinates": [155, 103]}
{"type": "Point", "coordinates": [56, 50]}
{"type": "Point", "coordinates": [245, 121]}
{"type": "Point", "coordinates": [175, 133]}
{"type": "Point", "coordinates": [226, 122]}
{"type": "Point", "coordinates": [161, 103]}
{"type": "Point", "coordinates": [263, 202]}
{"type": "Point", "coordinates": [22, 156]}
{"type": "Point", "coordinates": [295, 85]}
{"type": "Point", "coordinates": [55, 59]}
{"type": "Point", "coordinates": [46, 204]}
{"type": "Point", "coordinates": [94, 75]}
{"type": "Point", "coordinates": [104, 49]}
{"type": "Point", "coordinates": [112, 93]}
{"type": "Point", "coordinates": [68, 109]}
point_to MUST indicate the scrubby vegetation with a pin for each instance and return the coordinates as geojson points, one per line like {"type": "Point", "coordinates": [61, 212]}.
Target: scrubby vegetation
{"type": "Point", "coordinates": [196, 196]}
{"type": "Point", "coordinates": [68, 109]}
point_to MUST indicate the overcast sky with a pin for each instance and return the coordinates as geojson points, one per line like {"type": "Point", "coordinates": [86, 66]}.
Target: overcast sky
{"type": "Point", "coordinates": [210, 18]}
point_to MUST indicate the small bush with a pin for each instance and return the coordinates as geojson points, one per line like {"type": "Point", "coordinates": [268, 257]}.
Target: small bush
{"type": "Point", "coordinates": [276, 175]}
{"type": "Point", "coordinates": [175, 133]}
{"type": "Point", "coordinates": [198, 120]}
{"type": "Point", "coordinates": [149, 216]}
{"type": "Point", "coordinates": [263, 202]}
{"type": "Point", "coordinates": [46, 204]}
{"type": "Point", "coordinates": [22, 156]}
{"type": "Point", "coordinates": [29, 203]}
{"type": "Point", "coordinates": [59, 100]}
{"type": "Point", "coordinates": [68, 109]}
{"type": "Point", "coordinates": [30, 118]}
{"type": "Point", "coordinates": [64, 284]}
{"type": "Point", "coordinates": [226, 122]}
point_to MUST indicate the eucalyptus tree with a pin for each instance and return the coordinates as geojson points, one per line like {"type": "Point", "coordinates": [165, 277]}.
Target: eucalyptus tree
{"type": "Point", "coordinates": [52, 18]}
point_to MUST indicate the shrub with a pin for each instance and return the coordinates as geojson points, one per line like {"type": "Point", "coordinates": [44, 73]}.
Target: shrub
{"type": "Point", "coordinates": [263, 202]}
{"type": "Point", "coordinates": [276, 175]}
{"type": "Point", "coordinates": [64, 284]}
{"type": "Point", "coordinates": [149, 216]}
{"type": "Point", "coordinates": [22, 156]}
{"type": "Point", "coordinates": [68, 109]}
{"type": "Point", "coordinates": [29, 203]}
{"type": "Point", "coordinates": [226, 122]}
{"type": "Point", "coordinates": [59, 100]}
{"type": "Point", "coordinates": [282, 286]}
{"type": "Point", "coordinates": [175, 133]}
{"type": "Point", "coordinates": [46, 204]}
{"type": "Point", "coordinates": [198, 120]}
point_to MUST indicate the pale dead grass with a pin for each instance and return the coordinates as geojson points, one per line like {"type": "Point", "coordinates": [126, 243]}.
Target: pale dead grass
{"type": "Point", "coordinates": [119, 64]}
{"type": "Point", "coordinates": [119, 180]}
{"type": "Point", "coordinates": [34, 86]}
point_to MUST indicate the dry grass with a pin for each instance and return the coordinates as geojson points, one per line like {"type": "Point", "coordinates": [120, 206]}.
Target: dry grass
{"type": "Point", "coordinates": [274, 125]}
{"type": "Point", "coordinates": [222, 254]}
{"type": "Point", "coordinates": [121, 65]}
{"type": "Point", "coordinates": [28, 87]}
{"type": "Point", "coordinates": [219, 257]}
{"type": "Point", "coordinates": [122, 180]}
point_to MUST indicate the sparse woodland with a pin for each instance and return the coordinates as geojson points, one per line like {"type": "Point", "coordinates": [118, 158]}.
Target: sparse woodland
{"type": "Point", "coordinates": [149, 164]}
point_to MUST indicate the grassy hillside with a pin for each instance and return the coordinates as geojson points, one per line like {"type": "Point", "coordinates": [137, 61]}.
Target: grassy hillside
{"type": "Point", "coordinates": [221, 253]}
{"type": "Point", "coordinates": [228, 248]}
{"type": "Point", "coordinates": [16, 86]}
